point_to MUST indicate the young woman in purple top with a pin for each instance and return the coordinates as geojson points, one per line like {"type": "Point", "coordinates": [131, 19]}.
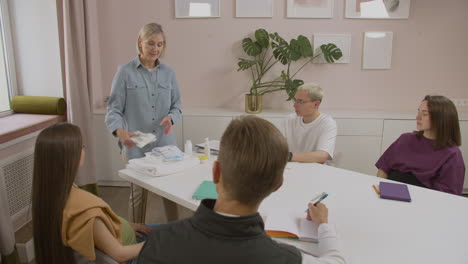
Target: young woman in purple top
{"type": "Point", "coordinates": [429, 157]}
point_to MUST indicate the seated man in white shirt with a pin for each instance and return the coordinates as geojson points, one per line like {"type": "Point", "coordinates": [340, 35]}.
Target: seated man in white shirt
{"type": "Point", "coordinates": [310, 134]}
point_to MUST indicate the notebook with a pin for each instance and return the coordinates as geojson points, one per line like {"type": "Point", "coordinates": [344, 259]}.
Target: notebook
{"type": "Point", "coordinates": [287, 224]}
{"type": "Point", "coordinates": [394, 191]}
{"type": "Point", "coordinates": [206, 190]}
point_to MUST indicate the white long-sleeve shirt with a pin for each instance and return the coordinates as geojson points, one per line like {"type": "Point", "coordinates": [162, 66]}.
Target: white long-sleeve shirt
{"type": "Point", "coordinates": [329, 252]}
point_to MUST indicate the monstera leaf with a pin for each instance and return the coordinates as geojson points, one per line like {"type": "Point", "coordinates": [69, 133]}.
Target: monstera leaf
{"type": "Point", "coordinates": [262, 38]}
{"type": "Point", "coordinates": [294, 52]}
{"type": "Point", "coordinates": [331, 52]}
{"type": "Point", "coordinates": [280, 52]}
{"type": "Point", "coordinates": [305, 47]}
{"type": "Point", "coordinates": [277, 38]}
{"type": "Point", "coordinates": [291, 87]}
{"type": "Point", "coordinates": [262, 59]}
{"type": "Point", "coordinates": [252, 48]}
{"type": "Point", "coordinates": [280, 48]}
{"type": "Point", "coordinates": [245, 64]}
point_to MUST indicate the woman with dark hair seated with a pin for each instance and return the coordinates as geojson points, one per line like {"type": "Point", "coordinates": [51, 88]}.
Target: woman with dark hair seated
{"type": "Point", "coordinates": [67, 219]}
{"type": "Point", "coordinates": [429, 157]}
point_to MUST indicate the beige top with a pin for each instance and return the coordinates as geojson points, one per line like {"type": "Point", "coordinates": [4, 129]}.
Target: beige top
{"type": "Point", "coordinates": [79, 214]}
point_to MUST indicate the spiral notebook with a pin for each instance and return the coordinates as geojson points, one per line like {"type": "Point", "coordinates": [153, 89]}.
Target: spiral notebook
{"type": "Point", "coordinates": [394, 191]}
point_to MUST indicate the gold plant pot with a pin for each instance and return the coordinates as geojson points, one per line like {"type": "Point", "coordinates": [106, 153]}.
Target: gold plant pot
{"type": "Point", "coordinates": [253, 103]}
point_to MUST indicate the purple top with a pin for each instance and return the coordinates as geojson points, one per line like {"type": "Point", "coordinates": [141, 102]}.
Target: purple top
{"type": "Point", "coordinates": [442, 169]}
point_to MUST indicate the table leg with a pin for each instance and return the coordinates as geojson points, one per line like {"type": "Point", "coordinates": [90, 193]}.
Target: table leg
{"type": "Point", "coordinates": [138, 202]}
{"type": "Point", "coordinates": [170, 208]}
{"type": "Point", "coordinates": [144, 201]}
{"type": "Point", "coordinates": [133, 203]}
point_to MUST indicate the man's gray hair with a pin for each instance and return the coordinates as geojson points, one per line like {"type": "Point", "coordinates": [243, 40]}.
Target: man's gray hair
{"type": "Point", "coordinates": [313, 90]}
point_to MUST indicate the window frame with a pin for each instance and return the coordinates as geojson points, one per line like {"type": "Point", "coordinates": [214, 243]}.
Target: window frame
{"type": "Point", "coordinates": [5, 27]}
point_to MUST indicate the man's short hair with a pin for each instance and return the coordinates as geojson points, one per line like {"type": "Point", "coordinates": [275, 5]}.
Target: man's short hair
{"type": "Point", "coordinates": [315, 92]}
{"type": "Point", "coordinates": [252, 157]}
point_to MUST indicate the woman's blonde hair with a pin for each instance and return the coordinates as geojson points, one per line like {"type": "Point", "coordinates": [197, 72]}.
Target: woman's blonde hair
{"type": "Point", "coordinates": [147, 31]}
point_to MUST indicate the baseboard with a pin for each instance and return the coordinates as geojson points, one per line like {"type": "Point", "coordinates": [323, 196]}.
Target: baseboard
{"type": "Point", "coordinates": [26, 251]}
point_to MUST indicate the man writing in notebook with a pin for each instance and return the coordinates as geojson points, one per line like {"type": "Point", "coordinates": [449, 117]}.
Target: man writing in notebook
{"type": "Point", "coordinates": [250, 166]}
{"type": "Point", "coordinates": [311, 135]}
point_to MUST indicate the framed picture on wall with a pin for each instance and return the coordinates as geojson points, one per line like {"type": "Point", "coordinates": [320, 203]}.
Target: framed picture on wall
{"type": "Point", "coordinates": [342, 41]}
{"type": "Point", "coordinates": [378, 9]}
{"type": "Point", "coordinates": [310, 8]}
{"type": "Point", "coordinates": [377, 50]}
{"type": "Point", "coordinates": [254, 8]}
{"type": "Point", "coordinates": [197, 8]}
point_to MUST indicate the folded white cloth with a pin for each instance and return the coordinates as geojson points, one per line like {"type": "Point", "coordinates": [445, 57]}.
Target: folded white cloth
{"type": "Point", "coordinates": [156, 166]}
{"type": "Point", "coordinates": [143, 139]}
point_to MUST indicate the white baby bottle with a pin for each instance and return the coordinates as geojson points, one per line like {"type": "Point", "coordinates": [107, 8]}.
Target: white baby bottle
{"type": "Point", "coordinates": [188, 147]}
{"type": "Point", "coordinates": [207, 148]}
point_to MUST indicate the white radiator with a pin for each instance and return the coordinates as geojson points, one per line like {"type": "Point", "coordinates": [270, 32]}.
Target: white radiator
{"type": "Point", "coordinates": [16, 182]}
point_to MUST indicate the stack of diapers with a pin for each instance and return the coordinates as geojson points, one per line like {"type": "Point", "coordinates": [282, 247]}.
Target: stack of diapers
{"type": "Point", "coordinates": [169, 153]}
{"type": "Point", "coordinates": [43, 105]}
{"type": "Point", "coordinates": [143, 139]}
{"type": "Point", "coordinates": [157, 166]}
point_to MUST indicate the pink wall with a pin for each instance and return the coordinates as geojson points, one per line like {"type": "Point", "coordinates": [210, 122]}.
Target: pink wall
{"type": "Point", "coordinates": [429, 53]}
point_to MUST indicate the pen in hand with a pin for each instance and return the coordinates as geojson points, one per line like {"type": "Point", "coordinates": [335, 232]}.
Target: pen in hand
{"type": "Point", "coordinates": [320, 198]}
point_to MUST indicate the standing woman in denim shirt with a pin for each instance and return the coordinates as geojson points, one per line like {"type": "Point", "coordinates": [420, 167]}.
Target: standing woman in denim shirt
{"type": "Point", "coordinates": [145, 97]}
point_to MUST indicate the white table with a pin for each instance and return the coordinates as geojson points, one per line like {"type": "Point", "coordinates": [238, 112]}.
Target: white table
{"type": "Point", "coordinates": [433, 228]}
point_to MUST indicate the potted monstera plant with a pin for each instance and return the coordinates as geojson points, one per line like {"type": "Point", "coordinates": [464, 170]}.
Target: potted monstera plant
{"type": "Point", "coordinates": [267, 49]}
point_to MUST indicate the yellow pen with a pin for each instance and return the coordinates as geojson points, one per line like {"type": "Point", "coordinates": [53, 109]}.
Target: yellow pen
{"type": "Point", "coordinates": [375, 189]}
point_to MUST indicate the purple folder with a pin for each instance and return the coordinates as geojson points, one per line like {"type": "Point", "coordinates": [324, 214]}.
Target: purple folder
{"type": "Point", "coordinates": [394, 191]}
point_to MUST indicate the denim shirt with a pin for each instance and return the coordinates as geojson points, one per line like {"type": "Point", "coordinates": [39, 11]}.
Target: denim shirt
{"type": "Point", "coordinates": [140, 99]}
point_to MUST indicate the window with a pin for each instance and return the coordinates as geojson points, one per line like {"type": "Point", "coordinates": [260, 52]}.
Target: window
{"type": "Point", "coordinates": [7, 68]}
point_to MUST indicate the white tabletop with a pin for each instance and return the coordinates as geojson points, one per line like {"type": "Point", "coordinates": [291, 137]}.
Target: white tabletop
{"type": "Point", "coordinates": [433, 228]}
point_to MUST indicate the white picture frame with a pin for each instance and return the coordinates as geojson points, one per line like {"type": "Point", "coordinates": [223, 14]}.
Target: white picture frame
{"type": "Point", "coordinates": [377, 50]}
{"type": "Point", "coordinates": [310, 8]}
{"type": "Point", "coordinates": [197, 8]}
{"type": "Point", "coordinates": [342, 41]}
{"type": "Point", "coordinates": [377, 9]}
{"type": "Point", "coordinates": [254, 8]}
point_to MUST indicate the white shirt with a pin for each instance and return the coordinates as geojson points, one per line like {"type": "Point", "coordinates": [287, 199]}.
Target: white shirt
{"type": "Point", "coordinates": [329, 250]}
{"type": "Point", "coordinates": [319, 134]}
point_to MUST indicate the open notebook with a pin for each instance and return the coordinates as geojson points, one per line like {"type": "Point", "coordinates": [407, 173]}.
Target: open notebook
{"type": "Point", "coordinates": [290, 224]}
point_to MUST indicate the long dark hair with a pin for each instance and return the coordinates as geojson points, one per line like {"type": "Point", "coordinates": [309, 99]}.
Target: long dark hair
{"type": "Point", "coordinates": [56, 160]}
{"type": "Point", "coordinates": [444, 121]}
